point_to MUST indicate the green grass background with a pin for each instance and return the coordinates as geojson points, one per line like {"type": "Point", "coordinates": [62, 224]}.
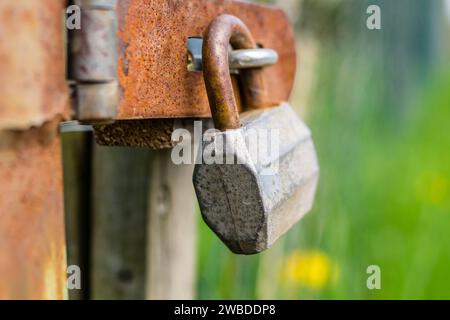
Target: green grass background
{"type": "Point", "coordinates": [384, 192]}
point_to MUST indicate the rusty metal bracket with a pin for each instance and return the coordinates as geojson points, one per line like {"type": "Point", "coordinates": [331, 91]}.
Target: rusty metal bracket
{"type": "Point", "coordinates": [143, 45]}
{"type": "Point", "coordinates": [129, 61]}
{"type": "Point", "coordinates": [152, 42]}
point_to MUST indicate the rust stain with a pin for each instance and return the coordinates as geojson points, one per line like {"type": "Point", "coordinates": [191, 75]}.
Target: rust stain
{"type": "Point", "coordinates": [32, 79]}
{"type": "Point", "coordinates": [32, 240]}
{"type": "Point", "coordinates": [152, 69]}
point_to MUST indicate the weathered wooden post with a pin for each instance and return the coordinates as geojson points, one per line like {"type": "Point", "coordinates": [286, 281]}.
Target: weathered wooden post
{"type": "Point", "coordinates": [120, 180]}
{"type": "Point", "coordinates": [171, 239]}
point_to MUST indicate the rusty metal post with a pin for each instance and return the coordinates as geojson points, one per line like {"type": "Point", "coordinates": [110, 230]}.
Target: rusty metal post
{"type": "Point", "coordinates": [33, 99]}
{"type": "Point", "coordinates": [32, 242]}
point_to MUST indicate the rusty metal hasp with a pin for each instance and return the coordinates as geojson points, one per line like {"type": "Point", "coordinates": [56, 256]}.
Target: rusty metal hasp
{"type": "Point", "coordinates": [130, 58]}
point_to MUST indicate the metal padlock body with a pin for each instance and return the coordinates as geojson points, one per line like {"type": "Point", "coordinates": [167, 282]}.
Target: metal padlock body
{"type": "Point", "coordinates": [243, 203]}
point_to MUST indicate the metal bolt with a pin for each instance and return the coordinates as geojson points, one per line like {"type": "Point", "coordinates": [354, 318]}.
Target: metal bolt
{"type": "Point", "coordinates": [238, 59]}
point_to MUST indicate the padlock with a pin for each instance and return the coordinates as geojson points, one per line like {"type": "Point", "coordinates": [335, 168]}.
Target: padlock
{"type": "Point", "coordinates": [253, 199]}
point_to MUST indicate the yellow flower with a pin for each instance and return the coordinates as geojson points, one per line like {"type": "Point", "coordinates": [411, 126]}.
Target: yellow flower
{"type": "Point", "coordinates": [432, 188]}
{"type": "Point", "coordinates": [312, 269]}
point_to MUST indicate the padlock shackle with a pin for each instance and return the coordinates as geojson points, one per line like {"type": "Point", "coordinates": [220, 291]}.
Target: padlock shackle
{"type": "Point", "coordinates": [222, 31]}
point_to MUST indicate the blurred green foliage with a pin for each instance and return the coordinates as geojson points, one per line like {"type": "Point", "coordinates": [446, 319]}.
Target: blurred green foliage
{"type": "Point", "coordinates": [384, 199]}
{"type": "Point", "coordinates": [380, 121]}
